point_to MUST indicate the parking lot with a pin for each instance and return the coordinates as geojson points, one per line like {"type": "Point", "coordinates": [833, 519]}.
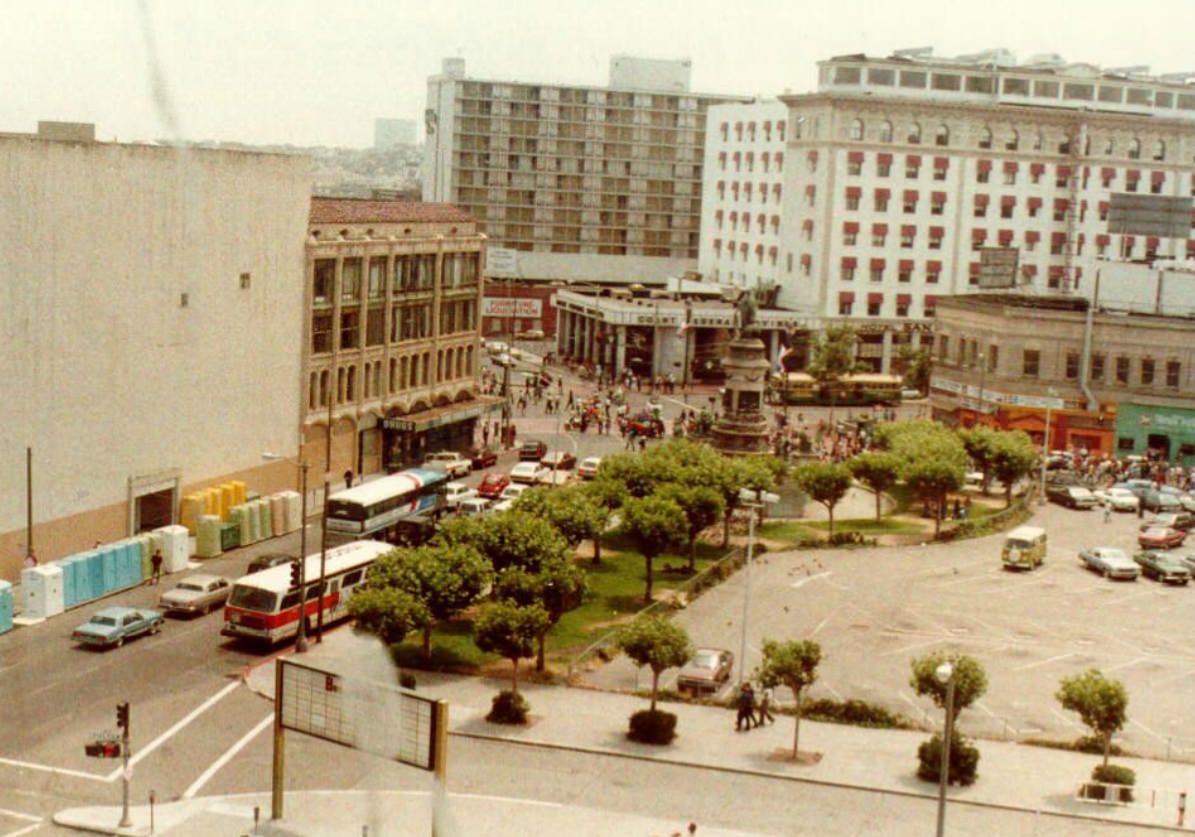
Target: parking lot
{"type": "Point", "coordinates": [873, 610]}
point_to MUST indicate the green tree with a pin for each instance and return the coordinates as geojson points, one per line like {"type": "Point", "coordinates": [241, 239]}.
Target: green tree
{"type": "Point", "coordinates": [981, 443]}
{"type": "Point", "coordinates": [387, 612]}
{"type": "Point", "coordinates": [794, 664]}
{"type": "Point", "coordinates": [832, 356]}
{"type": "Point", "coordinates": [728, 475]}
{"type": "Point", "coordinates": [515, 539]}
{"type": "Point", "coordinates": [1101, 703]}
{"type": "Point", "coordinates": [555, 586]}
{"type": "Point", "coordinates": [509, 630]}
{"type": "Point", "coordinates": [918, 364]}
{"type": "Point", "coordinates": [653, 524]}
{"type": "Point", "coordinates": [702, 506]}
{"type": "Point", "coordinates": [1015, 456]}
{"type": "Point", "coordinates": [970, 680]}
{"type": "Point", "coordinates": [932, 479]}
{"type": "Point", "coordinates": [575, 513]}
{"type": "Point", "coordinates": [639, 474]}
{"type": "Point", "coordinates": [656, 643]}
{"type": "Point", "coordinates": [608, 495]}
{"type": "Point", "coordinates": [877, 470]}
{"type": "Point", "coordinates": [826, 483]}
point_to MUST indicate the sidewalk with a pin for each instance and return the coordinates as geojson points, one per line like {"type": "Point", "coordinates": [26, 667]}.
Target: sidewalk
{"type": "Point", "coordinates": [1011, 776]}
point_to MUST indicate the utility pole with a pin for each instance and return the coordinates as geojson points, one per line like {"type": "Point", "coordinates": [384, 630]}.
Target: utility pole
{"type": "Point", "coordinates": [323, 548]}
{"type": "Point", "coordinates": [126, 772]}
{"type": "Point", "coordinates": [28, 501]}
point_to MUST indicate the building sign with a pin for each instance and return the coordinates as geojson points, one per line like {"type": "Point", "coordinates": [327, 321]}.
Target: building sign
{"type": "Point", "coordinates": [1158, 215]}
{"type": "Point", "coordinates": [971, 395]}
{"type": "Point", "coordinates": [512, 306]}
{"type": "Point", "coordinates": [500, 261]}
{"type": "Point", "coordinates": [998, 267]}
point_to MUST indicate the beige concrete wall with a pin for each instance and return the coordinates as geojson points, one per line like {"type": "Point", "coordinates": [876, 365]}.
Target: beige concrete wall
{"type": "Point", "coordinates": [109, 376]}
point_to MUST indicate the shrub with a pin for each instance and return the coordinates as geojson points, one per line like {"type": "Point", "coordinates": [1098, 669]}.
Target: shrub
{"type": "Point", "coordinates": [1089, 744]}
{"type": "Point", "coordinates": [850, 538]}
{"type": "Point", "coordinates": [1110, 774]}
{"type": "Point", "coordinates": [858, 713]}
{"type": "Point", "coordinates": [508, 708]}
{"type": "Point", "coordinates": [1114, 774]}
{"type": "Point", "coordinates": [964, 761]}
{"type": "Point", "coordinates": [406, 680]}
{"type": "Point", "coordinates": [652, 727]}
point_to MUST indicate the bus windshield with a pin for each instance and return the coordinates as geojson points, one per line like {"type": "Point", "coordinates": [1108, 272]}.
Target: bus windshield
{"type": "Point", "coordinates": [253, 598]}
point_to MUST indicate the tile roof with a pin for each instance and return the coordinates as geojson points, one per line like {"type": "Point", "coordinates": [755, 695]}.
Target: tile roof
{"type": "Point", "coordinates": [359, 211]}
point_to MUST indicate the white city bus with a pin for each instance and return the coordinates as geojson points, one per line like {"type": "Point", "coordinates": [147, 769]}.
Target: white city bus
{"type": "Point", "coordinates": [374, 509]}
{"type": "Point", "coordinates": [264, 607]}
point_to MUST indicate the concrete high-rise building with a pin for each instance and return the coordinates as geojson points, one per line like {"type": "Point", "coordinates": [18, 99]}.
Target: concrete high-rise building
{"type": "Point", "coordinates": [391, 132]}
{"type": "Point", "coordinates": [586, 182]}
{"type": "Point", "coordinates": [899, 170]}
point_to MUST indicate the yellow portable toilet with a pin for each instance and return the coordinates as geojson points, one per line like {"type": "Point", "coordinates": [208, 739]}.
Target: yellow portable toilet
{"type": "Point", "coordinates": [238, 491]}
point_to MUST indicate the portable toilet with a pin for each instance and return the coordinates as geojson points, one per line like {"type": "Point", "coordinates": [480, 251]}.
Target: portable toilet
{"type": "Point", "coordinates": [130, 562]}
{"type": "Point", "coordinates": [294, 510]}
{"type": "Point", "coordinates": [265, 519]}
{"type": "Point", "coordinates": [5, 606]}
{"type": "Point", "coordinates": [110, 562]}
{"type": "Point", "coordinates": [176, 546]}
{"type": "Point", "coordinates": [277, 515]}
{"type": "Point", "coordinates": [95, 574]}
{"type": "Point", "coordinates": [69, 597]}
{"type": "Point", "coordinates": [42, 591]}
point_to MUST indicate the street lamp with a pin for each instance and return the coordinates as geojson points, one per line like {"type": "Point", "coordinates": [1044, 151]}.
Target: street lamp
{"type": "Point", "coordinates": [945, 675]}
{"type": "Point", "coordinates": [301, 637]}
{"type": "Point", "coordinates": [753, 500]}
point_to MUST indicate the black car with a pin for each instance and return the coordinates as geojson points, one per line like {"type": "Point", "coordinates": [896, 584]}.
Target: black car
{"type": "Point", "coordinates": [270, 559]}
{"type": "Point", "coordinates": [532, 451]}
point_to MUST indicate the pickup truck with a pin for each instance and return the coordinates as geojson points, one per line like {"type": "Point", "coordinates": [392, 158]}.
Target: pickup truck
{"type": "Point", "coordinates": [449, 462]}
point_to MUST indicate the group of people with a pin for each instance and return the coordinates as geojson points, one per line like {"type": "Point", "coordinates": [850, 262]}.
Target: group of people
{"type": "Point", "coordinates": [752, 712]}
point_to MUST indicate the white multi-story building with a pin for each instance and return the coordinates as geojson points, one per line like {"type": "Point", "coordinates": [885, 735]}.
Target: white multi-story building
{"type": "Point", "coordinates": [742, 193]}
{"type": "Point", "coordinates": [898, 170]}
{"type": "Point", "coordinates": [589, 183]}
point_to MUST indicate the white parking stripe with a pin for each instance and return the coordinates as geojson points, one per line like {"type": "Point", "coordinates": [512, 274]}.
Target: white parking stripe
{"type": "Point", "coordinates": [228, 755]}
{"type": "Point", "coordinates": [1043, 662]}
{"type": "Point", "coordinates": [1066, 719]}
{"type": "Point", "coordinates": [45, 768]}
{"type": "Point", "coordinates": [29, 829]}
{"type": "Point", "coordinates": [17, 815]}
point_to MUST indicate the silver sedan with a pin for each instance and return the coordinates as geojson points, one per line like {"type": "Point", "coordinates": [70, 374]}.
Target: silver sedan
{"type": "Point", "coordinates": [197, 594]}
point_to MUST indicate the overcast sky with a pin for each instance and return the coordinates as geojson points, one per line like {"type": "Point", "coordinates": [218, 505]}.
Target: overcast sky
{"type": "Point", "coordinates": [312, 73]}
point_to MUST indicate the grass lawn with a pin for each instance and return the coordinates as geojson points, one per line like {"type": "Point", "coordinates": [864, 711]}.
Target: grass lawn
{"type": "Point", "coordinates": [794, 532]}
{"type": "Point", "coordinates": [615, 593]}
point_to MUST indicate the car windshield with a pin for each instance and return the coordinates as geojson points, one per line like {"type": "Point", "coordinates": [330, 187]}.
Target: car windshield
{"type": "Point", "coordinates": [187, 585]}
{"type": "Point", "coordinates": [252, 598]}
{"type": "Point", "coordinates": [1017, 543]}
{"type": "Point", "coordinates": [705, 659]}
{"type": "Point", "coordinates": [102, 620]}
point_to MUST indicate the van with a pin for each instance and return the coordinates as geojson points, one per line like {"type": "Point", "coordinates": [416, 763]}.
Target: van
{"type": "Point", "coordinates": [1025, 547]}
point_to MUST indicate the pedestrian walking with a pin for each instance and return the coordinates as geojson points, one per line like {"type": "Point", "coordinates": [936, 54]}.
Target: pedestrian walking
{"type": "Point", "coordinates": [1107, 512]}
{"type": "Point", "coordinates": [765, 702]}
{"type": "Point", "coordinates": [746, 705]}
{"type": "Point", "coordinates": [348, 478]}
{"type": "Point", "coordinates": [156, 563]}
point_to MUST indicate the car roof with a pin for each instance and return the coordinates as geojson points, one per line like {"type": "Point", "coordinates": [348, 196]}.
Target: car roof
{"type": "Point", "coordinates": [202, 578]}
{"type": "Point", "coordinates": [1027, 533]}
{"type": "Point", "coordinates": [116, 611]}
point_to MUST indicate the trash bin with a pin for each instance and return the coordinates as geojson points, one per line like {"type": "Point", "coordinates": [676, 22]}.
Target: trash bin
{"type": "Point", "coordinates": [230, 536]}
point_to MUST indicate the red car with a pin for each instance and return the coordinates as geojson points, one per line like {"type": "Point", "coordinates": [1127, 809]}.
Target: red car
{"type": "Point", "coordinates": [1161, 537]}
{"type": "Point", "coordinates": [492, 485]}
{"type": "Point", "coordinates": [482, 458]}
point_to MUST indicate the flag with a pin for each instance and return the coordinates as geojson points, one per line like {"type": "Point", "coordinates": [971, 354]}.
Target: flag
{"type": "Point", "coordinates": [778, 362]}
{"type": "Point", "coordinates": [684, 327]}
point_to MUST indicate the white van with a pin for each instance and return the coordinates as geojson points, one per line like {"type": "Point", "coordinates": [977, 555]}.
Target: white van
{"type": "Point", "coordinates": [1024, 548]}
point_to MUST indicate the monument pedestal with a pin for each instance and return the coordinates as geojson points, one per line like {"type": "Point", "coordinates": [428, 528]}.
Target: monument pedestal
{"type": "Point", "coordinates": [742, 429]}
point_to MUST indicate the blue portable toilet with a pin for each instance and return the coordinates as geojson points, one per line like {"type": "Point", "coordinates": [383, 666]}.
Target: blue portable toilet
{"type": "Point", "coordinates": [109, 558]}
{"type": "Point", "coordinates": [68, 580]}
{"type": "Point", "coordinates": [124, 575]}
{"type": "Point", "coordinates": [81, 570]}
{"type": "Point", "coordinates": [5, 606]}
{"type": "Point", "coordinates": [95, 574]}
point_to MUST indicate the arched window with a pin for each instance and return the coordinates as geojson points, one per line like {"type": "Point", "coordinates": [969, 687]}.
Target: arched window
{"type": "Point", "coordinates": [340, 381]}
{"type": "Point", "coordinates": [351, 387]}
{"type": "Point", "coordinates": [1037, 141]}
{"type": "Point", "coordinates": [1159, 150]}
{"type": "Point", "coordinates": [393, 383]}
{"type": "Point", "coordinates": [985, 137]}
{"type": "Point", "coordinates": [1135, 149]}
{"type": "Point", "coordinates": [856, 132]}
{"type": "Point", "coordinates": [943, 136]}
{"type": "Point", "coordinates": [886, 131]}
{"type": "Point", "coordinates": [914, 137]}
{"type": "Point", "coordinates": [1014, 140]}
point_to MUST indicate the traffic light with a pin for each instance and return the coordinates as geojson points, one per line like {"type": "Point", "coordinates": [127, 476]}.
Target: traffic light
{"type": "Point", "coordinates": [296, 574]}
{"type": "Point", "coordinates": [122, 716]}
{"type": "Point", "coordinates": [105, 749]}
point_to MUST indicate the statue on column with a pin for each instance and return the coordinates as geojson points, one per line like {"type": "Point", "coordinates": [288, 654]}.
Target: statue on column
{"type": "Point", "coordinates": [744, 313]}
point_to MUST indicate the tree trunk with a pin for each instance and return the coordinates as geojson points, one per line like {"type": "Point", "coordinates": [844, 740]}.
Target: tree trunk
{"type": "Point", "coordinates": [1008, 496]}
{"type": "Point", "coordinates": [726, 527]}
{"type": "Point", "coordinates": [830, 509]}
{"type": "Point", "coordinates": [1107, 747]}
{"type": "Point", "coordinates": [878, 507]}
{"type": "Point", "coordinates": [597, 549]}
{"type": "Point", "coordinates": [514, 676]}
{"type": "Point", "coordinates": [938, 512]}
{"type": "Point", "coordinates": [692, 552]}
{"type": "Point", "coordinates": [427, 642]}
{"type": "Point", "coordinates": [655, 684]}
{"type": "Point", "coordinates": [647, 562]}
{"type": "Point", "coordinates": [539, 656]}
{"type": "Point", "coordinates": [796, 724]}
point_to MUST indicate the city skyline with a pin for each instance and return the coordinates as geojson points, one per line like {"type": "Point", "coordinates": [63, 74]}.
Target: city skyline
{"type": "Point", "coordinates": [259, 73]}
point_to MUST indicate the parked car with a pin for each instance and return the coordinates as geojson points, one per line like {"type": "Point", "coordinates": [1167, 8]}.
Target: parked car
{"type": "Point", "coordinates": [1118, 499]}
{"type": "Point", "coordinates": [532, 451]}
{"type": "Point", "coordinates": [474, 507]}
{"type": "Point", "coordinates": [588, 468]}
{"type": "Point", "coordinates": [1109, 562]}
{"type": "Point", "coordinates": [561, 460]}
{"type": "Point", "coordinates": [492, 485]}
{"type": "Point", "coordinates": [1163, 567]}
{"type": "Point", "coordinates": [113, 625]}
{"type": "Point", "coordinates": [270, 559]}
{"type": "Point", "coordinates": [707, 671]}
{"type": "Point", "coordinates": [481, 458]}
{"type": "Point", "coordinates": [1184, 499]}
{"type": "Point", "coordinates": [1173, 520]}
{"type": "Point", "coordinates": [530, 334]}
{"type": "Point", "coordinates": [1064, 477]}
{"type": "Point", "coordinates": [415, 530]}
{"type": "Point", "coordinates": [496, 347]}
{"type": "Point", "coordinates": [1188, 561]}
{"type": "Point", "coordinates": [1024, 546]}
{"type": "Point", "coordinates": [1157, 501]}
{"type": "Point", "coordinates": [1161, 537]}
{"type": "Point", "coordinates": [457, 492]}
{"type": "Point", "coordinates": [450, 462]}
{"type": "Point", "coordinates": [200, 593]}
{"type": "Point", "coordinates": [527, 472]}
{"type": "Point", "coordinates": [1071, 496]}
{"type": "Point", "coordinates": [512, 492]}
{"type": "Point", "coordinates": [503, 359]}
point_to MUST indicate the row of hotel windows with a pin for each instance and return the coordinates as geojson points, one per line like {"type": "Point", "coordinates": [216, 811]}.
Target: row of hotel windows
{"type": "Point", "coordinates": [1010, 170]}
{"type": "Point", "coordinates": [739, 159]}
{"type": "Point", "coordinates": [1005, 238]}
{"type": "Point", "coordinates": [857, 131]}
{"type": "Point", "coordinates": [407, 322]}
{"type": "Point", "coordinates": [761, 221]}
{"type": "Point", "coordinates": [750, 131]}
{"type": "Point", "coordinates": [877, 269]}
{"type": "Point", "coordinates": [746, 189]}
{"type": "Point", "coordinates": [410, 273]}
{"type": "Point", "coordinates": [1148, 368]}
{"type": "Point", "coordinates": [881, 198]}
{"type": "Point", "coordinates": [875, 304]}
{"type": "Point", "coordinates": [405, 372]}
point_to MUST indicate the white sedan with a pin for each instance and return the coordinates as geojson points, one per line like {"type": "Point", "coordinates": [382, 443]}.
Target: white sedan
{"type": "Point", "coordinates": [527, 472]}
{"type": "Point", "coordinates": [1118, 499]}
{"type": "Point", "coordinates": [456, 493]}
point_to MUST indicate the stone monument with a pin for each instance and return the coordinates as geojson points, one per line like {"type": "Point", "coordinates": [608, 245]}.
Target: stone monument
{"type": "Point", "coordinates": [742, 428]}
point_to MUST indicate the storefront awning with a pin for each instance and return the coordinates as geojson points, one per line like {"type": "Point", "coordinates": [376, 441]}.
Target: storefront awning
{"type": "Point", "coordinates": [440, 416]}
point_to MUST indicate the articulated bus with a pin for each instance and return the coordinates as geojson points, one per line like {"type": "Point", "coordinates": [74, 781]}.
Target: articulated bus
{"type": "Point", "coordinates": [265, 608]}
{"type": "Point", "coordinates": [850, 390]}
{"type": "Point", "coordinates": [376, 509]}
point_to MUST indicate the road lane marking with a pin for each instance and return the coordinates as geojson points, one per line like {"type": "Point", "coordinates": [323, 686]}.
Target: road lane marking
{"type": "Point", "coordinates": [1064, 718]}
{"type": "Point", "coordinates": [1044, 662]}
{"type": "Point", "coordinates": [228, 755]}
{"type": "Point", "coordinates": [178, 725]}
{"type": "Point", "coordinates": [64, 771]}
{"type": "Point", "coordinates": [1124, 665]}
{"type": "Point", "coordinates": [17, 815]}
{"type": "Point", "coordinates": [803, 581]}
{"type": "Point", "coordinates": [1147, 730]}
{"type": "Point", "coordinates": [29, 829]}
{"type": "Point", "coordinates": [820, 625]}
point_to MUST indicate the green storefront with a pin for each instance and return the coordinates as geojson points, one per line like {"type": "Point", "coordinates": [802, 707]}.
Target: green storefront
{"type": "Point", "coordinates": [1141, 428]}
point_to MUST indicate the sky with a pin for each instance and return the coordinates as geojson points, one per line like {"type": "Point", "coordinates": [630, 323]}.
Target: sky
{"type": "Point", "coordinates": [318, 73]}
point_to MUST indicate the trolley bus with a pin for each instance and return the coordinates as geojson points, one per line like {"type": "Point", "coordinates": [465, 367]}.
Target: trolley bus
{"type": "Point", "coordinates": [849, 390]}
{"type": "Point", "coordinates": [377, 509]}
{"type": "Point", "coordinates": [263, 607]}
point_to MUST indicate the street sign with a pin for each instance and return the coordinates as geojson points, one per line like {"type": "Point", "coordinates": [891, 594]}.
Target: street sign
{"type": "Point", "coordinates": [103, 748]}
{"type": "Point", "coordinates": [500, 261]}
{"type": "Point", "coordinates": [998, 267]}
